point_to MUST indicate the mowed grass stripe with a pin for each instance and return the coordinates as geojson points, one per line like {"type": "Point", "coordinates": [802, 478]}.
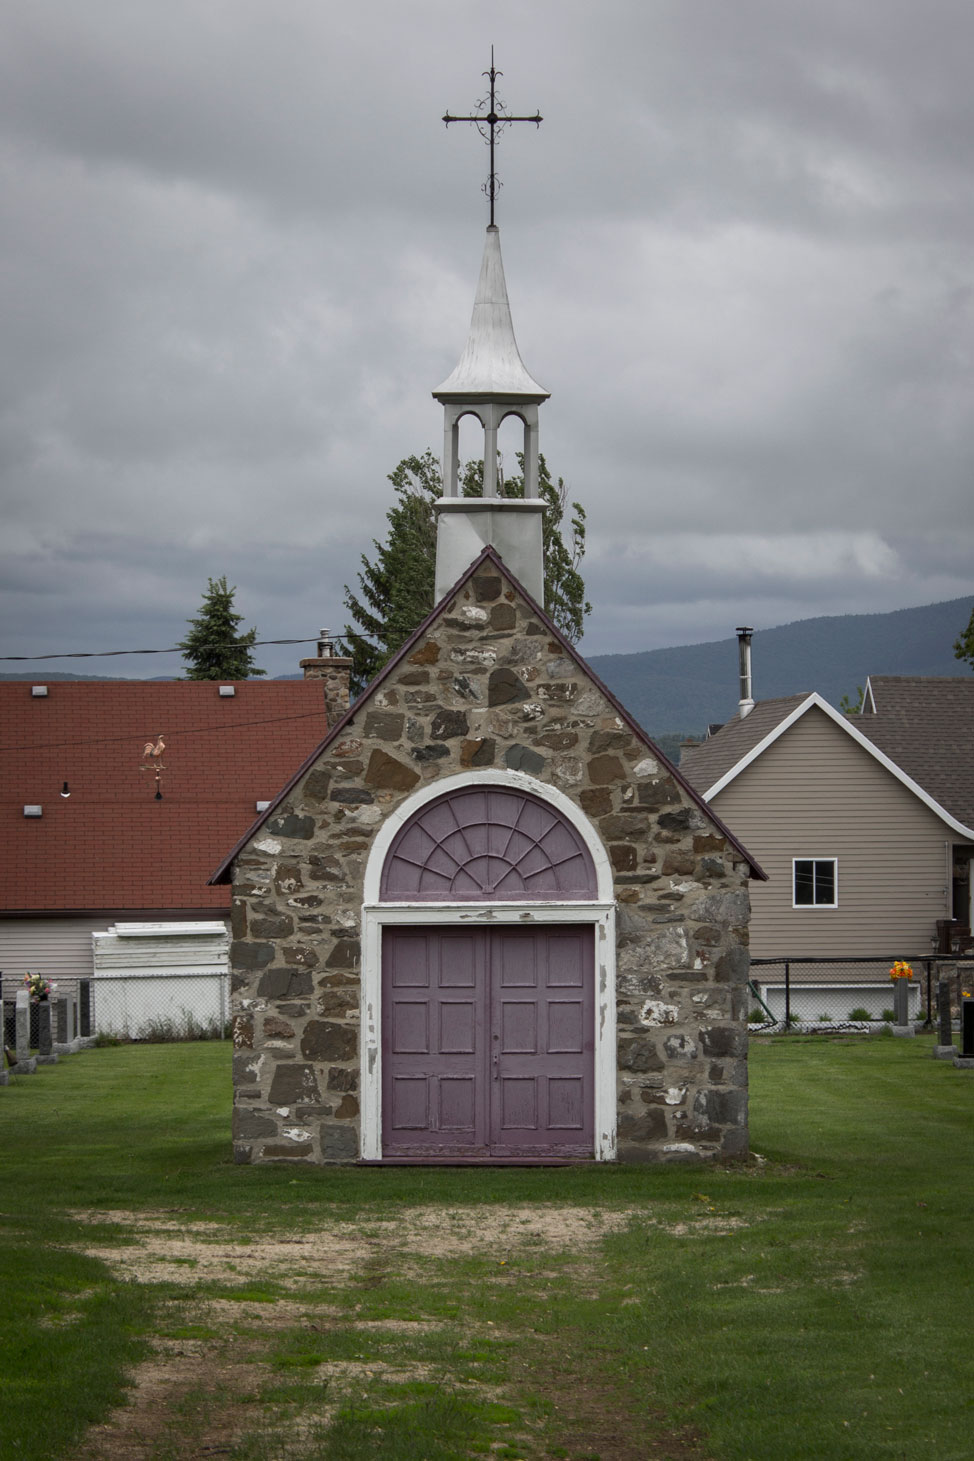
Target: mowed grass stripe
{"type": "Point", "coordinates": [813, 1305]}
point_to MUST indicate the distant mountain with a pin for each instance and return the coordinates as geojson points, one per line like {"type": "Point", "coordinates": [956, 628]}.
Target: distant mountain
{"type": "Point", "coordinates": [683, 690]}
{"type": "Point", "coordinates": [42, 677]}
{"type": "Point", "coordinates": [678, 692]}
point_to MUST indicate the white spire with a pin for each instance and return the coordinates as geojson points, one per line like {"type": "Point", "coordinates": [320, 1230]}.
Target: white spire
{"type": "Point", "coordinates": [491, 383]}
{"type": "Point", "coordinates": [491, 364]}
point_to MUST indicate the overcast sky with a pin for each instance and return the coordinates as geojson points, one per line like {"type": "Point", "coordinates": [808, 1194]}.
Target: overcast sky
{"type": "Point", "coordinates": [239, 249]}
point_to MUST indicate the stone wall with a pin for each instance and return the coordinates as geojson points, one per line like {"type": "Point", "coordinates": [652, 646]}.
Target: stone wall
{"type": "Point", "coordinates": [489, 686]}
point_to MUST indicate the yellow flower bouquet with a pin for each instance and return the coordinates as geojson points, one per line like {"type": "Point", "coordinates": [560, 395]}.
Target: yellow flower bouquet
{"type": "Point", "coordinates": [901, 970]}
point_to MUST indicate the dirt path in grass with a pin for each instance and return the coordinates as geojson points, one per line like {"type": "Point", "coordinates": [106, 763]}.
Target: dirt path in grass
{"type": "Point", "coordinates": [199, 1393]}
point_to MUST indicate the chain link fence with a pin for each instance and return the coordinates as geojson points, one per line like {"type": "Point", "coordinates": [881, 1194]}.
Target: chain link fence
{"type": "Point", "coordinates": [786, 994]}
{"type": "Point", "coordinates": [176, 1005]}
{"type": "Point", "coordinates": [851, 993]}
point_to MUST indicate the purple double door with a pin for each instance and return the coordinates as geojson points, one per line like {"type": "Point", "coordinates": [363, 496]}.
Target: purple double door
{"type": "Point", "coordinates": [488, 1042]}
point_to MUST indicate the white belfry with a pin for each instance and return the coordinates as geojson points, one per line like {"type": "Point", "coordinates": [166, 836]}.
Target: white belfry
{"type": "Point", "coordinates": [491, 383]}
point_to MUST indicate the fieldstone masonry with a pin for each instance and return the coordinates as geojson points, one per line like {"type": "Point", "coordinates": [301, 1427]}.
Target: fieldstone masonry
{"type": "Point", "coordinates": [490, 684]}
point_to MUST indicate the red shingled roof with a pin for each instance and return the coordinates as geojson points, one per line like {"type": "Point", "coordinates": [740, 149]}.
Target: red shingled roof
{"type": "Point", "coordinates": [111, 845]}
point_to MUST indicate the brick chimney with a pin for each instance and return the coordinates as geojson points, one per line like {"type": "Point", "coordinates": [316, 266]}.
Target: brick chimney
{"type": "Point", "coordinates": [334, 670]}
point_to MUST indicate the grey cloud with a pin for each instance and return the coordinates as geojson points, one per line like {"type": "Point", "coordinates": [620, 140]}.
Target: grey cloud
{"type": "Point", "coordinates": [239, 248]}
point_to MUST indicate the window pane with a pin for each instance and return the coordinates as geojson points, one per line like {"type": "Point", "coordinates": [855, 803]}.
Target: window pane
{"type": "Point", "coordinates": [804, 882]}
{"type": "Point", "coordinates": [825, 882]}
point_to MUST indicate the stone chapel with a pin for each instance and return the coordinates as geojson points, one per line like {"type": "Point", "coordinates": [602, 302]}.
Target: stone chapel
{"type": "Point", "coordinates": [487, 920]}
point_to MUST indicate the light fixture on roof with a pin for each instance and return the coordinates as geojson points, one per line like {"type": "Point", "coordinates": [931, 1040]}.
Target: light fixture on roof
{"type": "Point", "coordinates": [262, 806]}
{"type": "Point", "coordinates": [38, 691]}
{"type": "Point", "coordinates": [33, 810]}
{"type": "Point", "coordinates": [65, 791]}
{"type": "Point", "coordinates": [227, 690]}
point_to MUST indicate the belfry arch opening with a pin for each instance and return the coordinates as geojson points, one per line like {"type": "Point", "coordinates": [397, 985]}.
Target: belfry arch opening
{"type": "Point", "coordinates": [511, 441]}
{"type": "Point", "coordinates": [470, 443]}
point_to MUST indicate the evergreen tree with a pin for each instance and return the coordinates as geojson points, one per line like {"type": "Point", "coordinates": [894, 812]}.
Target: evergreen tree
{"type": "Point", "coordinates": [214, 649]}
{"type": "Point", "coordinates": [964, 646]}
{"type": "Point", "coordinates": [396, 588]}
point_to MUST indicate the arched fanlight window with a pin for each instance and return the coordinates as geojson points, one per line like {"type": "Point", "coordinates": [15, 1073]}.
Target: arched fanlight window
{"type": "Point", "coordinates": [488, 843]}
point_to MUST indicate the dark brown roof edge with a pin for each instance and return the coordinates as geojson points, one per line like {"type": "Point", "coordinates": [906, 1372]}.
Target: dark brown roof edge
{"type": "Point", "coordinates": [489, 554]}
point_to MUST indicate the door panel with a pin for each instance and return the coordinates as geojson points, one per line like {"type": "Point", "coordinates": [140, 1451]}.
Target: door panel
{"type": "Point", "coordinates": [488, 1039]}
{"type": "Point", "coordinates": [433, 1046]}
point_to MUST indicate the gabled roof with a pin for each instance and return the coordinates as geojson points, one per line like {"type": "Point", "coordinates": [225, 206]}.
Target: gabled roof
{"type": "Point", "coordinates": [710, 773]}
{"type": "Point", "coordinates": [110, 845]}
{"type": "Point", "coordinates": [491, 363]}
{"type": "Point", "coordinates": [926, 725]}
{"type": "Point", "coordinates": [706, 764]}
{"type": "Point", "coordinates": [488, 556]}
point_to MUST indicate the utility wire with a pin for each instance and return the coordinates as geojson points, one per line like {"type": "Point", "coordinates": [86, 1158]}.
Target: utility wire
{"type": "Point", "coordinates": [106, 653]}
{"type": "Point", "coordinates": [197, 730]}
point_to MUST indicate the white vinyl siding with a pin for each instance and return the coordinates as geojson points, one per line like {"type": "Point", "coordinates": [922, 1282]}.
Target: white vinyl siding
{"type": "Point", "coordinates": [816, 794]}
{"type": "Point", "coordinates": [57, 948]}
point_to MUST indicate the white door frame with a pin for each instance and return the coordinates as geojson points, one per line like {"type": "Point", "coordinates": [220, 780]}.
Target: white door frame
{"type": "Point", "coordinates": [599, 913]}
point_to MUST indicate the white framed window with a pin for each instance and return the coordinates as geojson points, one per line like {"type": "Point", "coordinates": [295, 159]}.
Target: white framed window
{"type": "Point", "coordinates": [815, 882]}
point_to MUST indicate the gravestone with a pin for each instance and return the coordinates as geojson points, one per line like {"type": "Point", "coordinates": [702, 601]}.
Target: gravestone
{"type": "Point", "coordinates": [965, 1060]}
{"type": "Point", "coordinates": [901, 1004]}
{"type": "Point", "coordinates": [26, 1065]}
{"type": "Point", "coordinates": [66, 1025]}
{"type": "Point", "coordinates": [45, 1037]}
{"type": "Point", "coordinates": [944, 1049]}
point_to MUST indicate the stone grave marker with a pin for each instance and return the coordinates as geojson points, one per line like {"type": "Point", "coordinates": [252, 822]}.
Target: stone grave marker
{"type": "Point", "coordinates": [901, 1004]}
{"type": "Point", "coordinates": [66, 1025]}
{"type": "Point", "coordinates": [944, 1049]}
{"type": "Point", "coordinates": [45, 1036]}
{"type": "Point", "coordinates": [26, 1064]}
{"type": "Point", "coordinates": [965, 1060]}
{"type": "Point", "coordinates": [4, 1075]}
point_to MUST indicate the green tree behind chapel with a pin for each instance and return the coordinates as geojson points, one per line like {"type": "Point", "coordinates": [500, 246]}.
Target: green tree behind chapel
{"type": "Point", "coordinates": [964, 645]}
{"type": "Point", "coordinates": [214, 649]}
{"type": "Point", "coordinates": [396, 588]}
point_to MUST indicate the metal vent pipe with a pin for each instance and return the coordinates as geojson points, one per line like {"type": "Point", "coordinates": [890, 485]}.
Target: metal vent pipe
{"type": "Point", "coordinates": [744, 652]}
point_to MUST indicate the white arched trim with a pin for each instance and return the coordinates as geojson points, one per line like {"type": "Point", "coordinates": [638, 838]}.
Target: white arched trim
{"type": "Point", "coordinates": [509, 781]}
{"type": "Point", "coordinates": [599, 913]}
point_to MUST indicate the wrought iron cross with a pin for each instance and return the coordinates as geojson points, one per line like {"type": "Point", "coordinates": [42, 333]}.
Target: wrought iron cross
{"type": "Point", "coordinates": [489, 123]}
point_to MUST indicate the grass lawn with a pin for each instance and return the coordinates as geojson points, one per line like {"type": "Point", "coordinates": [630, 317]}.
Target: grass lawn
{"type": "Point", "coordinates": [811, 1304]}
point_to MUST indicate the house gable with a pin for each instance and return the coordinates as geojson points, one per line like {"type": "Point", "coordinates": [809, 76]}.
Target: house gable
{"type": "Point", "coordinates": [790, 714]}
{"type": "Point", "coordinates": [818, 792]}
{"type": "Point", "coordinates": [484, 567]}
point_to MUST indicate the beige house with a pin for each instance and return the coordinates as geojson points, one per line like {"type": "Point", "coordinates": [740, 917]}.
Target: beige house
{"type": "Point", "coordinates": [864, 823]}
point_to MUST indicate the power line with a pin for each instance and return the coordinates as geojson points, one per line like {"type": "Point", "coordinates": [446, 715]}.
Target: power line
{"type": "Point", "coordinates": [107, 653]}
{"type": "Point", "coordinates": [197, 730]}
